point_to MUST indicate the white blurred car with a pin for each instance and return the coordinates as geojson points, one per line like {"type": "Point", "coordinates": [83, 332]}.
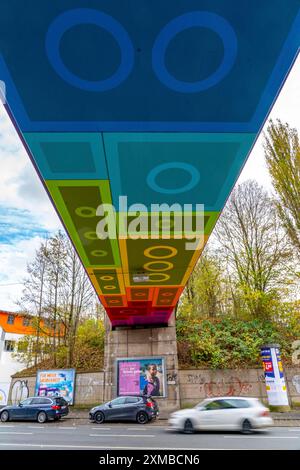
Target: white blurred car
{"type": "Point", "coordinates": [222, 413]}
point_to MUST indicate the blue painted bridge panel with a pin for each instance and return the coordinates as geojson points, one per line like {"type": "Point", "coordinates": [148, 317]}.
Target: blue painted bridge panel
{"type": "Point", "coordinates": [135, 65]}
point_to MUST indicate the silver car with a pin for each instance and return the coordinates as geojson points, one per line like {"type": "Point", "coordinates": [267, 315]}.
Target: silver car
{"type": "Point", "coordinates": [222, 414]}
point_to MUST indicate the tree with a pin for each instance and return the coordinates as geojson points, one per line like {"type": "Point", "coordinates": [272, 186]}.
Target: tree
{"type": "Point", "coordinates": [33, 298]}
{"type": "Point", "coordinates": [55, 254]}
{"type": "Point", "coordinates": [206, 290]}
{"type": "Point", "coordinates": [254, 246]}
{"type": "Point", "coordinates": [59, 296]}
{"type": "Point", "coordinates": [282, 153]}
{"type": "Point", "coordinates": [79, 296]}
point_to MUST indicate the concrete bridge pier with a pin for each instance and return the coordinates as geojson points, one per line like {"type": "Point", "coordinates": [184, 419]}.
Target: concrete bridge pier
{"type": "Point", "coordinates": [143, 342]}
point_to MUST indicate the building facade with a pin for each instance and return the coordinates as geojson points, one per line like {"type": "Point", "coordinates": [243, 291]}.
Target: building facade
{"type": "Point", "coordinates": [13, 327]}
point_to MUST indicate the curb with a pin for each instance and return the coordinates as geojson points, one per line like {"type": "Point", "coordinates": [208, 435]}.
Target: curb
{"type": "Point", "coordinates": [278, 422]}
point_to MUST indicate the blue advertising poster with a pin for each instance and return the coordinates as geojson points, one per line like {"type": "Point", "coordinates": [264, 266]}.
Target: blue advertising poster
{"type": "Point", "coordinates": [58, 382]}
{"type": "Point", "coordinates": [274, 376]}
{"type": "Point", "coordinates": [267, 363]}
{"type": "Point", "coordinates": [141, 376]}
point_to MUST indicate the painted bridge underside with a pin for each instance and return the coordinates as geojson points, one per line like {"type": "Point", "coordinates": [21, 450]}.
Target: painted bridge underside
{"type": "Point", "coordinates": [159, 101]}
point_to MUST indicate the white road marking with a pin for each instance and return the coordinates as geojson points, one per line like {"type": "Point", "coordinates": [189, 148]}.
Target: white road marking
{"type": "Point", "coordinates": [66, 446]}
{"type": "Point", "coordinates": [102, 429]}
{"type": "Point", "coordinates": [36, 427]}
{"type": "Point", "coordinates": [138, 429]}
{"type": "Point", "coordinates": [261, 437]}
{"type": "Point", "coordinates": [121, 435]}
{"type": "Point", "coordinates": [14, 432]}
{"type": "Point", "coordinates": [7, 426]}
{"type": "Point", "coordinates": [66, 427]}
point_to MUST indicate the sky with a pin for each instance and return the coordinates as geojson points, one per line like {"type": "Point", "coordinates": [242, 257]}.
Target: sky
{"type": "Point", "coordinates": [27, 215]}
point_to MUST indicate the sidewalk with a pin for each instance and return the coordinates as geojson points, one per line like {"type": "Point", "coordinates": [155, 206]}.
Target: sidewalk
{"type": "Point", "coordinates": [289, 418]}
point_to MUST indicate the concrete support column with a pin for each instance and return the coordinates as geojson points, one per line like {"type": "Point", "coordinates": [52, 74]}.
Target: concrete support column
{"type": "Point", "coordinates": [143, 342]}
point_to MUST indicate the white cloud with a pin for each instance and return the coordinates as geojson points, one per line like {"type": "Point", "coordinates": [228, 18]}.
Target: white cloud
{"type": "Point", "coordinates": [25, 212]}
{"type": "Point", "coordinates": [13, 262]}
{"type": "Point", "coordinates": [286, 108]}
{"type": "Point", "coordinates": [23, 188]}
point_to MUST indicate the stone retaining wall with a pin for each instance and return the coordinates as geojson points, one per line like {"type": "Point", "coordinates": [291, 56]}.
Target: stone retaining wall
{"type": "Point", "coordinates": [194, 385]}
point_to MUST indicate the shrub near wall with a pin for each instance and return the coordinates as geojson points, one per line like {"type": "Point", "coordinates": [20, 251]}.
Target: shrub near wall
{"type": "Point", "coordinates": [228, 342]}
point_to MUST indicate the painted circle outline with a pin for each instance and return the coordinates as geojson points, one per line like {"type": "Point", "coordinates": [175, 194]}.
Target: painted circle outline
{"type": "Point", "coordinates": [173, 253]}
{"type": "Point", "coordinates": [109, 287]}
{"type": "Point", "coordinates": [88, 236]}
{"type": "Point", "coordinates": [79, 16]}
{"type": "Point", "coordinates": [168, 263]}
{"type": "Point", "coordinates": [166, 277]}
{"type": "Point", "coordinates": [82, 208]}
{"type": "Point", "coordinates": [212, 21]}
{"type": "Point", "coordinates": [99, 256]}
{"type": "Point", "coordinates": [106, 278]}
{"type": "Point", "coordinates": [167, 294]}
{"type": "Point", "coordinates": [191, 169]}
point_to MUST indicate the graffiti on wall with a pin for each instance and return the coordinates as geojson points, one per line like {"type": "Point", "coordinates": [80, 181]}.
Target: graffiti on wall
{"type": "Point", "coordinates": [223, 387]}
{"type": "Point", "coordinates": [172, 378]}
{"type": "Point", "coordinates": [88, 388]}
{"type": "Point", "coordinates": [19, 391]}
{"type": "Point", "coordinates": [296, 382]}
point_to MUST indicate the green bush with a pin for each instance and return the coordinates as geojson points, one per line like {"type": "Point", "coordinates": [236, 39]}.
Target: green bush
{"type": "Point", "coordinates": [229, 343]}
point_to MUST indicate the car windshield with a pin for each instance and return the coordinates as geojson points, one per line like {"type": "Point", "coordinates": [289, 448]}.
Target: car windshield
{"type": "Point", "coordinates": [201, 404]}
{"type": "Point", "coordinates": [26, 402]}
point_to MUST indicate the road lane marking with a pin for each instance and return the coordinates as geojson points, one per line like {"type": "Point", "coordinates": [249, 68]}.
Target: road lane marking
{"type": "Point", "coordinates": [102, 429]}
{"type": "Point", "coordinates": [4, 426]}
{"type": "Point", "coordinates": [36, 427]}
{"type": "Point", "coordinates": [67, 446]}
{"type": "Point", "coordinates": [137, 429]}
{"type": "Point", "coordinates": [15, 432]}
{"type": "Point", "coordinates": [261, 437]}
{"type": "Point", "coordinates": [121, 435]}
{"type": "Point", "coordinates": [66, 427]}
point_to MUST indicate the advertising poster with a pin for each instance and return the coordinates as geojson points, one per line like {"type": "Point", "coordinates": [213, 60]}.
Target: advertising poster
{"type": "Point", "coordinates": [274, 377]}
{"type": "Point", "coordinates": [141, 376]}
{"type": "Point", "coordinates": [58, 382]}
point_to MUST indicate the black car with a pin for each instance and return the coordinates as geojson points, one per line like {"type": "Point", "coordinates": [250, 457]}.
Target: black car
{"type": "Point", "coordinates": [39, 409]}
{"type": "Point", "coordinates": [127, 408]}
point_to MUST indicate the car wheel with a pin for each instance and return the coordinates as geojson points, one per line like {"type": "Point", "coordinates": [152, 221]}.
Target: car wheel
{"type": "Point", "coordinates": [4, 416]}
{"type": "Point", "coordinates": [41, 417]}
{"type": "Point", "coordinates": [246, 427]}
{"type": "Point", "coordinates": [188, 427]}
{"type": "Point", "coordinates": [99, 417]}
{"type": "Point", "coordinates": [142, 418]}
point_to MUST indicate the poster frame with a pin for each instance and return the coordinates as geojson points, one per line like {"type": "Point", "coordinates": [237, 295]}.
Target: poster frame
{"type": "Point", "coordinates": [142, 358]}
{"type": "Point", "coordinates": [57, 370]}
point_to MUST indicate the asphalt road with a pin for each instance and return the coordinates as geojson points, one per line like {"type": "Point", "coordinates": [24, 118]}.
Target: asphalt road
{"type": "Point", "coordinates": [14, 435]}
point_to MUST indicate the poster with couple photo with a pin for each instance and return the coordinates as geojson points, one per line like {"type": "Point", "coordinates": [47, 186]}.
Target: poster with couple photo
{"type": "Point", "coordinates": [141, 376]}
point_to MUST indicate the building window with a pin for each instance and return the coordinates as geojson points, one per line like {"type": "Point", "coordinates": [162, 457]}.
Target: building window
{"type": "Point", "coordinates": [26, 321]}
{"type": "Point", "coordinates": [10, 319]}
{"type": "Point", "coordinates": [9, 345]}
